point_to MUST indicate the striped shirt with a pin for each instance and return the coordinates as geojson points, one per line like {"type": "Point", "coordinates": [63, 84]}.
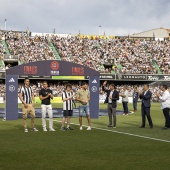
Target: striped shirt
{"type": "Point", "coordinates": [68, 104]}
{"type": "Point", "coordinates": [26, 94]}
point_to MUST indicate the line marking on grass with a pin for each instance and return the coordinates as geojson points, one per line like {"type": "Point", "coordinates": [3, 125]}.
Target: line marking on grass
{"type": "Point", "coordinates": [124, 133]}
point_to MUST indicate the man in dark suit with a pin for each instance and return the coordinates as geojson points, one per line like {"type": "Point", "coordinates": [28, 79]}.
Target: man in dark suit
{"type": "Point", "coordinates": [111, 99]}
{"type": "Point", "coordinates": [145, 106]}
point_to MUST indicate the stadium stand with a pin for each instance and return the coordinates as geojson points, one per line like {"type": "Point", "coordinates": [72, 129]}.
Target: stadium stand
{"type": "Point", "coordinates": [2, 53]}
{"type": "Point", "coordinates": [55, 51]}
{"type": "Point", "coordinates": [82, 51]}
{"type": "Point", "coordinates": [6, 48]}
{"type": "Point", "coordinates": [131, 56]}
{"type": "Point", "coordinates": [28, 48]}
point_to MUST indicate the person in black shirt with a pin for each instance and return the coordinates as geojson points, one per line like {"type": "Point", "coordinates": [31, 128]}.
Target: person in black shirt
{"type": "Point", "coordinates": [45, 95]}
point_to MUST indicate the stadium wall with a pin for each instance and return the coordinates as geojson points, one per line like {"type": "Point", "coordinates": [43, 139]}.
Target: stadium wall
{"type": "Point", "coordinates": [59, 100]}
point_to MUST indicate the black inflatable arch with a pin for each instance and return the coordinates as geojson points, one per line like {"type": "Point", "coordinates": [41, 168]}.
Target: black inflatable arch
{"type": "Point", "coordinates": [51, 69]}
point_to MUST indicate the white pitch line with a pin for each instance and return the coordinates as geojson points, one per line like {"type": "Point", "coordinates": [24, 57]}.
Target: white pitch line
{"type": "Point", "coordinates": [124, 133]}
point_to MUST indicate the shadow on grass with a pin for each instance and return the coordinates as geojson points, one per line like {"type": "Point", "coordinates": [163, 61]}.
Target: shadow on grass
{"type": "Point", "coordinates": [131, 124]}
{"type": "Point", "coordinates": [21, 127]}
{"type": "Point", "coordinates": [100, 123]}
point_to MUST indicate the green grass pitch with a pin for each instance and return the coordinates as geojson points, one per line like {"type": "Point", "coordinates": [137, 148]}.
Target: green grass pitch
{"type": "Point", "coordinates": [87, 150]}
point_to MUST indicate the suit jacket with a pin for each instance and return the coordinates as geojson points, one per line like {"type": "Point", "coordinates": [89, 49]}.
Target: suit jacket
{"type": "Point", "coordinates": [115, 96]}
{"type": "Point", "coordinates": [146, 99]}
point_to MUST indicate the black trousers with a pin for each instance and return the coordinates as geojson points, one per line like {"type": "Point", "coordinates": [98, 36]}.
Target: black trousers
{"type": "Point", "coordinates": [125, 107]}
{"type": "Point", "coordinates": [146, 113]}
{"type": "Point", "coordinates": [135, 105]}
{"type": "Point", "coordinates": [167, 117]}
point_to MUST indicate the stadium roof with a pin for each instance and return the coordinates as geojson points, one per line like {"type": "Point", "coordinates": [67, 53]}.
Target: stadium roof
{"type": "Point", "coordinates": [157, 33]}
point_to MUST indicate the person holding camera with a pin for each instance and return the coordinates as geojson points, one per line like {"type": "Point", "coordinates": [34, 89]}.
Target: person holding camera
{"type": "Point", "coordinates": [45, 95]}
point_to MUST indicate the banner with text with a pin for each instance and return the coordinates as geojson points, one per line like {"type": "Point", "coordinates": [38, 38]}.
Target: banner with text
{"type": "Point", "coordinates": [11, 97]}
{"type": "Point", "coordinates": [94, 96]}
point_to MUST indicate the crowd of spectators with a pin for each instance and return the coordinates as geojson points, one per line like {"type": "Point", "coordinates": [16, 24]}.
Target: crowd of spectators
{"type": "Point", "coordinates": [88, 52]}
{"type": "Point", "coordinates": [130, 56]}
{"type": "Point", "coordinates": [59, 88]}
{"type": "Point", "coordinates": [28, 49]}
{"type": "Point", "coordinates": [160, 51]}
{"type": "Point", "coordinates": [2, 52]}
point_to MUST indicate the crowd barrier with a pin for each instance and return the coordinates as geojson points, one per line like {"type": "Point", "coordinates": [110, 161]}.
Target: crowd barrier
{"type": "Point", "coordinates": [59, 99]}
{"type": "Point", "coordinates": [102, 99]}
{"type": "Point", "coordinates": [37, 100]}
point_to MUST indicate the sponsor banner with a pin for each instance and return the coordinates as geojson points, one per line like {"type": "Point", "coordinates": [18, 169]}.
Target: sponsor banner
{"type": "Point", "coordinates": [37, 100]}
{"type": "Point", "coordinates": [103, 97]}
{"type": "Point", "coordinates": [158, 77]}
{"type": "Point", "coordinates": [10, 58]}
{"type": "Point", "coordinates": [108, 76]}
{"type": "Point", "coordinates": [55, 100]}
{"type": "Point", "coordinates": [11, 97]}
{"type": "Point", "coordinates": [51, 68]}
{"type": "Point", "coordinates": [30, 70]}
{"type": "Point", "coordinates": [104, 76]}
{"type": "Point", "coordinates": [35, 77]}
{"type": "Point", "coordinates": [143, 77]}
{"type": "Point", "coordinates": [166, 77]}
{"type": "Point", "coordinates": [55, 73]}
{"type": "Point", "coordinates": [121, 77]}
{"type": "Point", "coordinates": [133, 77]}
{"type": "Point", "coordinates": [77, 71]}
{"type": "Point", "coordinates": [94, 82]}
{"type": "Point", "coordinates": [68, 77]}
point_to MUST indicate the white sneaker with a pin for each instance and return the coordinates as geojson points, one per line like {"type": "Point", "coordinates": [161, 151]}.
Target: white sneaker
{"type": "Point", "coordinates": [34, 130]}
{"type": "Point", "coordinates": [51, 129]}
{"type": "Point", "coordinates": [26, 130]}
{"type": "Point", "coordinates": [81, 128]}
{"type": "Point", "coordinates": [44, 129]}
{"type": "Point", "coordinates": [89, 128]}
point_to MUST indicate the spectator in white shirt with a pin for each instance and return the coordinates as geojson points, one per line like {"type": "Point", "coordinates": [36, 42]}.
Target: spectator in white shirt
{"type": "Point", "coordinates": [165, 105]}
{"type": "Point", "coordinates": [125, 100]}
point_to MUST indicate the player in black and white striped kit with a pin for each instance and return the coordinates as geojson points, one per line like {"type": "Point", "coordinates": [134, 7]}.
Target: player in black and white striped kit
{"type": "Point", "coordinates": [26, 96]}
{"type": "Point", "coordinates": [67, 98]}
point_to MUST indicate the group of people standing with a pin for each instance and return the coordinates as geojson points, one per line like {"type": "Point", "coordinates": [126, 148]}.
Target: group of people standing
{"type": "Point", "coordinates": [145, 96]}
{"type": "Point", "coordinates": [45, 94]}
{"type": "Point", "coordinates": [83, 97]}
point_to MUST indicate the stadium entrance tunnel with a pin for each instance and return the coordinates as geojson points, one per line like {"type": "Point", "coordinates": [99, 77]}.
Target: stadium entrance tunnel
{"type": "Point", "coordinates": [46, 70]}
